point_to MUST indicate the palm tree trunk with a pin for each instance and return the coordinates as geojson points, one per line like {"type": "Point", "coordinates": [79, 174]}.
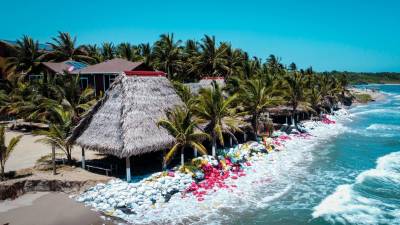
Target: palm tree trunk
{"type": "Point", "coordinates": [164, 161]}
{"type": "Point", "coordinates": [2, 177]}
{"type": "Point", "coordinates": [294, 116]}
{"type": "Point", "coordinates": [182, 156]}
{"type": "Point", "coordinates": [214, 145]}
{"type": "Point", "coordinates": [255, 124]}
{"type": "Point", "coordinates": [69, 155]}
{"type": "Point", "coordinates": [53, 155]}
{"type": "Point", "coordinates": [195, 152]}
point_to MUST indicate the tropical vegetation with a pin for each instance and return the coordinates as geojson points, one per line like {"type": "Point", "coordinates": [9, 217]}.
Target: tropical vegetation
{"type": "Point", "coordinates": [5, 150]}
{"type": "Point", "coordinates": [181, 125]}
{"type": "Point", "coordinates": [253, 87]}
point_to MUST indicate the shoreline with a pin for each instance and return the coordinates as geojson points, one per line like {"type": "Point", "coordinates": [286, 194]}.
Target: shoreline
{"type": "Point", "coordinates": [269, 167]}
{"type": "Point", "coordinates": [218, 203]}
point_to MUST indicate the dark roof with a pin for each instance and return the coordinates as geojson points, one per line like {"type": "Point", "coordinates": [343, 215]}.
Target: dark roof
{"type": "Point", "coordinates": [60, 67]}
{"type": "Point", "coordinates": [116, 65]}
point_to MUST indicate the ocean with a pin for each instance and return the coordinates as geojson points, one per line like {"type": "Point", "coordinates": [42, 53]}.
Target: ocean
{"type": "Point", "coordinates": [350, 178]}
{"type": "Point", "coordinates": [343, 173]}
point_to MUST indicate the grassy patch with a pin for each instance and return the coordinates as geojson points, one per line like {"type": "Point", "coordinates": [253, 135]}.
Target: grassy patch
{"type": "Point", "coordinates": [363, 98]}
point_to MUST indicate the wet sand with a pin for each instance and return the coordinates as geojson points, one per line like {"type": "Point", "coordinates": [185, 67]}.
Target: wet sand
{"type": "Point", "coordinates": [46, 208]}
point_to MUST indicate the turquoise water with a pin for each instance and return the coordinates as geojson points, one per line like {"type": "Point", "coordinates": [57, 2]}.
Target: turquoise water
{"type": "Point", "coordinates": [354, 178]}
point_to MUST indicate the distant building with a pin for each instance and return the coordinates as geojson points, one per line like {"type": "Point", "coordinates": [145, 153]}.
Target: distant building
{"type": "Point", "coordinates": [5, 52]}
{"type": "Point", "coordinates": [205, 82]}
{"type": "Point", "coordinates": [102, 75]}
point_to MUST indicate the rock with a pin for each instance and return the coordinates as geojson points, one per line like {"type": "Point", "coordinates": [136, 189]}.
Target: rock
{"type": "Point", "coordinates": [121, 204]}
{"type": "Point", "coordinates": [141, 190]}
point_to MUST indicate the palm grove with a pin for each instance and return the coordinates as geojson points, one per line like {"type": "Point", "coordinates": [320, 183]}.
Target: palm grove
{"type": "Point", "coordinates": [252, 87]}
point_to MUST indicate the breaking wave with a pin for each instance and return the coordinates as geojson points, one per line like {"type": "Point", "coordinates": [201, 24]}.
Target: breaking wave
{"type": "Point", "coordinates": [377, 111]}
{"type": "Point", "coordinates": [384, 127]}
{"type": "Point", "coordinates": [267, 180]}
{"type": "Point", "coordinates": [372, 199]}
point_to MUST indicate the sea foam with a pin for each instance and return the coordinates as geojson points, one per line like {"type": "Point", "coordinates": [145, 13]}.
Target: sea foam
{"type": "Point", "coordinates": [268, 178]}
{"type": "Point", "coordinates": [372, 199]}
{"type": "Point", "coordinates": [385, 127]}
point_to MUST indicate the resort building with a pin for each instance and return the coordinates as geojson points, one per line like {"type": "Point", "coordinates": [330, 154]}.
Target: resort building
{"type": "Point", "coordinates": [57, 68]}
{"type": "Point", "coordinates": [5, 52]}
{"type": "Point", "coordinates": [100, 76]}
{"type": "Point", "coordinates": [124, 122]}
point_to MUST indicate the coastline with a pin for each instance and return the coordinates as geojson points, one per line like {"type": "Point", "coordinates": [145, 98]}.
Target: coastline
{"type": "Point", "coordinates": [218, 201]}
{"type": "Point", "coordinates": [242, 192]}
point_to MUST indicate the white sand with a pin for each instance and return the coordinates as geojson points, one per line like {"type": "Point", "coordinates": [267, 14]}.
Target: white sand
{"type": "Point", "coordinates": [27, 152]}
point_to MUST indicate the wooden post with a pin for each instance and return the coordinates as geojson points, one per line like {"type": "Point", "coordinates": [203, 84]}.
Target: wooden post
{"type": "Point", "coordinates": [128, 169]}
{"type": "Point", "coordinates": [213, 149]}
{"type": "Point", "coordinates": [195, 152]}
{"type": "Point", "coordinates": [164, 161]}
{"type": "Point", "coordinates": [53, 155]}
{"type": "Point", "coordinates": [83, 158]}
{"type": "Point", "coordinates": [182, 157]}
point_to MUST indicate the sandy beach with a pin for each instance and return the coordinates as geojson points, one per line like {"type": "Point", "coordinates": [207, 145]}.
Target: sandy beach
{"type": "Point", "coordinates": [28, 151]}
{"type": "Point", "coordinates": [46, 208]}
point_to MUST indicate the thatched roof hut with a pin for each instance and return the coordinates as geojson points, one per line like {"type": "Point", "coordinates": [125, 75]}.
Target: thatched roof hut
{"type": "Point", "coordinates": [284, 110]}
{"type": "Point", "coordinates": [124, 122]}
{"type": "Point", "coordinates": [205, 83]}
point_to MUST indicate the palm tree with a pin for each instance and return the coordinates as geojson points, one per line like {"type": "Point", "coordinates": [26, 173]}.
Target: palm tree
{"type": "Point", "coordinates": [107, 51]}
{"type": "Point", "coordinates": [212, 60]}
{"type": "Point", "coordinates": [25, 56]}
{"type": "Point", "coordinates": [76, 100]}
{"type": "Point", "coordinates": [217, 113]}
{"type": "Point", "coordinates": [327, 87]}
{"type": "Point", "coordinates": [129, 52]}
{"type": "Point", "coordinates": [295, 91]}
{"type": "Point", "coordinates": [167, 55]}
{"type": "Point", "coordinates": [64, 48]}
{"type": "Point", "coordinates": [250, 68]}
{"type": "Point", "coordinates": [58, 132]}
{"type": "Point", "coordinates": [256, 97]}
{"type": "Point", "coordinates": [274, 66]}
{"type": "Point", "coordinates": [341, 87]}
{"type": "Point", "coordinates": [20, 102]}
{"type": "Point", "coordinates": [235, 59]}
{"type": "Point", "coordinates": [189, 57]}
{"type": "Point", "coordinates": [145, 52]}
{"type": "Point", "coordinates": [93, 52]}
{"type": "Point", "coordinates": [315, 98]}
{"type": "Point", "coordinates": [5, 151]}
{"type": "Point", "coordinates": [185, 93]}
{"type": "Point", "coordinates": [181, 125]}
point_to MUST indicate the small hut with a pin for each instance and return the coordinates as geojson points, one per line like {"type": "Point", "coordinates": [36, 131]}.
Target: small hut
{"type": "Point", "coordinates": [124, 122]}
{"type": "Point", "coordinates": [206, 82]}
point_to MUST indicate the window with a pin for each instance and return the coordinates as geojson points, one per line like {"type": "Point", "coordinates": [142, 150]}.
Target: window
{"type": "Point", "coordinates": [35, 77]}
{"type": "Point", "coordinates": [112, 78]}
{"type": "Point", "coordinates": [84, 82]}
{"type": "Point", "coordinates": [108, 80]}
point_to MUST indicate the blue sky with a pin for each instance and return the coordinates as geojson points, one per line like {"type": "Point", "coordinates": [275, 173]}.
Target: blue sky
{"type": "Point", "coordinates": [343, 35]}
